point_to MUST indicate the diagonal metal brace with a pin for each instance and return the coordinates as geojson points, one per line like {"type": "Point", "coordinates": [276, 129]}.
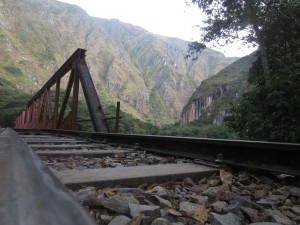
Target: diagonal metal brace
{"type": "Point", "coordinates": [91, 97]}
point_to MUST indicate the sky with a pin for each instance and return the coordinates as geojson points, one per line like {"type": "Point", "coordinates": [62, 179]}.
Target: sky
{"type": "Point", "coordinates": [172, 18]}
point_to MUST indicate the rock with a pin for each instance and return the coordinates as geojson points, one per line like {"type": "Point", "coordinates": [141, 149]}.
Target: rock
{"type": "Point", "coordinates": [188, 207]}
{"type": "Point", "coordinates": [282, 191]}
{"type": "Point", "coordinates": [259, 194]}
{"type": "Point", "coordinates": [161, 221]}
{"type": "Point", "coordinates": [59, 166]}
{"type": "Point", "coordinates": [196, 188]}
{"type": "Point", "coordinates": [132, 163]}
{"type": "Point", "coordinates": [119, 204]}
{"type": "Point", "coordinates": [296, 209]}
{"type": "Point", "coordinates": [130, 190]}
{"type": "Point", "coordinates": [150, 212]}
{"type": "Point", "coordinates": [295, 191]}
{"type": "Point", "coordinates": [162, 202]}
{"type": "Point", "coordinates": [133, 154]}
{"type": "Point", "coordinates": [235, 209]}
{"type": "Point", "coordinates": [90, 162]}
{"type": "Point", "coordinates": [106, 218]}
{"type": "Point", "coordinates": [85, 193]}
{"type": "Point", "coordinates": [277, 198]}
{"type": "Point", "coordinates": [266, 203]}
{"type": "Point", "coordinates": [244, 179]}
{"type": "Point", "coordinates": [154, 160]}
{"type": "Point", "coordinates": [177, 190]}
{"type": "Point", "coordinates": [179, 223]}
{"type": "Point", "coordinates": [297, 219]}
{"type": "Point", "coordinates": [119, 220]}
{"type": "Point", "coordinates": [136, 220]}
{"type": "Point", "coordinates": [288, 202]}
{"type": "Point", "coordinates": [278, 217]}
{"type": "Point", "coordinates": [169, 214]}
{"type": "Point", "coordinates": [244, 202]}
{"type": "Point", "coordinates": [251, 214]}
{"type": "Point", "coordinates": [202, 187]}
{"type": "Point", "coordinates": [226, 196]}
{"type": "Point", "coordinates": [199, 199]}
{"type": "Point", "coordinates": [283, 221]}
{"type": "Point", "coordinates": [227, 219]}
{"type": "Point", "coordinates": [246, 193]}
{"type": "Point", "coordinates": [120, 155]}
{"type": "Point", "coordinates": [212, 193]}
{"type": "Point", "coordinates": [235, 190]}
{"type": "Point", "coordinates": [201, 214]}
{"type": "Point", "coordinates": [265, 223]}
{"type": "Point", "coordinates": [160, 191]}
{"type": "Point", "coordinates": [93, 203]}
{"type": "Point", "coordinates": [218, 206]}
{"type": "Point", "coordinates": [186, 221]}
{"type": "Point", "coordinates": [214, 182]}
{"type": "Point", "coordinates": [188, 182]}
{"type": "Point", "coordinates": [252, 188]}
{"type": "Point", "coordinates": [226, 177]}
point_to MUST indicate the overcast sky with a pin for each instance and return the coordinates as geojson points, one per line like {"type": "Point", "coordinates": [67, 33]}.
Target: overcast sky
{"type": "Point", "coordinates": [172, 18]}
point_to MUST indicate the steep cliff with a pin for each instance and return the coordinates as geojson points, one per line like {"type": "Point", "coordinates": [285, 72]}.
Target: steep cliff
{"type": "Point", "coordinates": [146, 72]}
{"type": "Point", "coordinates": [213, 98]}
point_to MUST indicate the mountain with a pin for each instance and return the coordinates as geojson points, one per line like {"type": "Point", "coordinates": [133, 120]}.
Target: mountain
{"type": "Point", "coordinates": [146, 72]}
{"type": "Point", "coordinates": [214, 97]}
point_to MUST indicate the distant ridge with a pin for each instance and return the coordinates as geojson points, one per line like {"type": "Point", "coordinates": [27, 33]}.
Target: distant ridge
{"type": "Point", "coordinates": [146, 72]}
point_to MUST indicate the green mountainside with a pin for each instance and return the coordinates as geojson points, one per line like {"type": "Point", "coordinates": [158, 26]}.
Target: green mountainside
{"type": "Point", "coordinates": [146, 72]}
{"type": "Point", "coordinates": [213, 98]}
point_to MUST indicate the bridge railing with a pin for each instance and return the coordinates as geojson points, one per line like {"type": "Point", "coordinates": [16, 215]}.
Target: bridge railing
{"type": "Point", "coordinates": [42, 112]}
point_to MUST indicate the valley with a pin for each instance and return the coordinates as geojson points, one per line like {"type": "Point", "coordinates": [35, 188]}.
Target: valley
{"type": "Point", "coordinates": [146, 72]}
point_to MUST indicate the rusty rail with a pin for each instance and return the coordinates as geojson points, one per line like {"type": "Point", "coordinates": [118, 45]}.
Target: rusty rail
{"type": "Point", "coordinates": [267, 156]}
{"type": "Point", "coordinates": [42, 113]}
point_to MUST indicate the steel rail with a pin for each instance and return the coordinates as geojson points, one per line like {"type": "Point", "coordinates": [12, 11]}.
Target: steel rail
{"type": "Point", "coordinates": [30, 193]}
{"type": "Point", "coordinates": [272, 156]}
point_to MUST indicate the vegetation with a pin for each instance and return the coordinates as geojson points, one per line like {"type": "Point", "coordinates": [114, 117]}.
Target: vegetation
{"type": "Point", "coordinates": [159, 109]}
{"type": "Point", "coordinates": [270, 110]}
{"type": "Point", "coordinates": [202, 128]}
{"type": "Point", "coordinates": [131, 125]}
{"type": "Point", "coordinates": [128, 124]}
{"type": "Point", "coordinates": [12, 102]}
{"type": "Point", "coordinates": [273, 106]}
{"type": "Point", "coordinates": [13, 70]}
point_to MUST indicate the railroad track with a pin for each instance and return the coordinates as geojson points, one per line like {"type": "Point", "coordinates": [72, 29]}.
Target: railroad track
{"type": "Point", "coordinates": [269, 156]}
{"type": "Point", "coordinates": [78, 161]}
{"type": "Point", "coordinates": [89, 162]}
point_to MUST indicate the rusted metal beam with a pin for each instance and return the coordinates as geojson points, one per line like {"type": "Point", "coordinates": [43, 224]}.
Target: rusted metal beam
{"type": "Point", "coordinates": [57, 88]}
{"type": "Point", "coordinates": [117, 118]}
{"type": "Point", "coordinates": [92, 100]}
{"type": "Point", "coordinates": [43, 115]}
{"type": "Point", "coordinates": [66, 99]}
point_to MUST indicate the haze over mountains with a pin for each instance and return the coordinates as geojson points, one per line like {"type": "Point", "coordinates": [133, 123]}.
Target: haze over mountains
{"type": "Point", "coordinates": [146, 72]}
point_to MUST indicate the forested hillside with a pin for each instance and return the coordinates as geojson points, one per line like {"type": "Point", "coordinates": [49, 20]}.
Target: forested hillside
{"type": "Point", "coordinates": [146, 72]}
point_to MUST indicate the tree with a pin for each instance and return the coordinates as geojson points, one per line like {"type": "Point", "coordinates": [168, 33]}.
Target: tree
{"type": "Point", "coordinates": [245, 20]}
{"type": "Point", "coordinates": [270, 110]}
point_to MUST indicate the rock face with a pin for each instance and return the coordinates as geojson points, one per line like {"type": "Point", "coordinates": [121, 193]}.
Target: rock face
{"type": "Point", "coordinates": [146, 72]}
{"type": "Point", "coordinates": [214, 96]}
